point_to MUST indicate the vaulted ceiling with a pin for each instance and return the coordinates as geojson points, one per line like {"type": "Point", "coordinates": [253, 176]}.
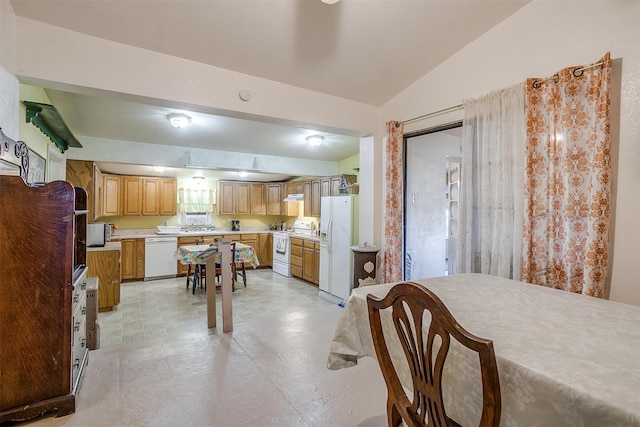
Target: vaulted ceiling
{"type": "Point", "coordinates": [366, 51]}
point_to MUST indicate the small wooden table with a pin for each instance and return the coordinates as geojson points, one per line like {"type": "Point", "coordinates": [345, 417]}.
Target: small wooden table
{"type": "Point", "coordinates": [210, 254]}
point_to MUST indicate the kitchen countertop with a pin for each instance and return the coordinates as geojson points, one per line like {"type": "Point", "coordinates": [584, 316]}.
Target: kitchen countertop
{"type": "Point", "coordinates": [141, 233]}
{"type": "Point", "coordinates": [312, 237]}
{"type": "Point", "coordinates": [109, 246]}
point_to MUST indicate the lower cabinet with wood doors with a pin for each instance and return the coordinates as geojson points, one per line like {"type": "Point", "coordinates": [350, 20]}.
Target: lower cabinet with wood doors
{"type": "Point", "coordinates": [104, 263]}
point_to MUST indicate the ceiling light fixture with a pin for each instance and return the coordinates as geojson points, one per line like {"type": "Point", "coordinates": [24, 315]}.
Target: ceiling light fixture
{"type": "Point", "coordinates": [315, 140]}
{"type": "Point", "coordinates": [158, 168]}
{"type": "Point", "coordinates": [179, 120]}
{"type": "Point", "coordinates": [243, 174]}
{"type": "Point", "coordinates": [330, 1]}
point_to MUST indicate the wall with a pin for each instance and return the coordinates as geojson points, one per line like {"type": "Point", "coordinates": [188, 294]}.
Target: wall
{"type": "Point", "coordinates": [30, 134]}
{"type": "Point", "coordinates": [8, 82]}
{"type": "Point", "coordinates": [348, 165]}
{"type": "Point", "coordinates": [521, 47]}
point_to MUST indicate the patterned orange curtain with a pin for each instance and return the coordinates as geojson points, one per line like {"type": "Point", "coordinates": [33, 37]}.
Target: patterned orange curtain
{"type": "Point", "coordinates": [394, 173]}
{"type": "Point", "coordinates": [567, 181]}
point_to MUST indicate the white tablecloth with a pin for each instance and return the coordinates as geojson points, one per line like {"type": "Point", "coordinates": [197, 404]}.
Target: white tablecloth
{"type": "Point", "coordinates": [563, 359]}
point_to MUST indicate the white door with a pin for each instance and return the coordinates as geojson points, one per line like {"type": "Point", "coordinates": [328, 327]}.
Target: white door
{"type": "Point", "coordinates": [427, 203]}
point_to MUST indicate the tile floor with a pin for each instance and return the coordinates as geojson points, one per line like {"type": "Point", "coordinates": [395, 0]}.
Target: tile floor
{"type": "Point", "coordinates": [159, 365]}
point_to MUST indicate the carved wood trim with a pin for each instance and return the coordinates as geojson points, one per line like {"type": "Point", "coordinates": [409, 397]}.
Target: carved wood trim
{"type": "Point", "coordinates": [16, 153]}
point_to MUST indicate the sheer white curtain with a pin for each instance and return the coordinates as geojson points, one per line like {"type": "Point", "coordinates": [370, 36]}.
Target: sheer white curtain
{"type": "Point", "coordinates": [195, 200]}
{"type": "Point", "coordinates": [491, 196]}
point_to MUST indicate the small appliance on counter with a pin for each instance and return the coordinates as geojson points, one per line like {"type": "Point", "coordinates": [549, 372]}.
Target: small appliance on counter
{"type": "Point", "coordinates": [235, 224]}
{"type": "Point", "coordinates": [98, 234]}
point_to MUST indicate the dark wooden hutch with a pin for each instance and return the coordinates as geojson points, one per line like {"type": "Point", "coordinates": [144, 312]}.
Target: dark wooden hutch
{"type": "Point", "coordinates": [42, 283]}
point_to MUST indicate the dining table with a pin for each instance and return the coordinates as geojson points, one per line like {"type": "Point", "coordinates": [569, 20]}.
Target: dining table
{"type": "Point", "coordinates": [564, 359]}
{"type": "Point", "coordinates": [218, 253]}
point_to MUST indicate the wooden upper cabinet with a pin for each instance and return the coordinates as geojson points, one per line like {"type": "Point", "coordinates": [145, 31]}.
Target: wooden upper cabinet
{"type": "Point", "coordinates": [226, 197]}
{"type": "Point", "coordinates": [168, 188]}
{"type": "Point", "coordinates": [97, 193]}
{"type": "Point", "coordinates": [257, 198]}
{"type": "Point", "coordinates": [315, 198]}
{"type": "Point", "coordinates": [336, 183]}
{"type": "Point", "coordinates": [274, 198]}
{"type": "Point", "coordinates": [242, 198]}
{"type": "Point", "coordinates": [111, 200]}
{"type": "Point", "coordinates": [290, 208]}
{"type": "Point", "coordinates": [325, 187]}
{"type": "Point", "coordinates": [306, 190]}
{"type": "Point", "coordinates": [150, 196]}
{"type": "Point", "coordinates": [132, 195]}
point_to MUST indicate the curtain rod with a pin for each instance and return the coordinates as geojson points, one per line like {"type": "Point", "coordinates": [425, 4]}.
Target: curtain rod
{"type": "Point", "coordinates": [576, 73]}
{"type": "Point", "coordinates": [435, 113]}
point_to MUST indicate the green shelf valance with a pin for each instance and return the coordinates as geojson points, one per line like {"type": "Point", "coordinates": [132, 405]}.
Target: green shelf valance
{"type": "Point", "coordinates": [47, 118]}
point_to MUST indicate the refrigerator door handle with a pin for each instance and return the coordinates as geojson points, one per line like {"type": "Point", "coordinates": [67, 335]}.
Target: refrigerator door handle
{"type": "Point", "coordinates": [329, 232]}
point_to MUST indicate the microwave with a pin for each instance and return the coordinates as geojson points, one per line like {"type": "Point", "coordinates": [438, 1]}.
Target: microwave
{"type": "Point", "coordinates": [98, 233]}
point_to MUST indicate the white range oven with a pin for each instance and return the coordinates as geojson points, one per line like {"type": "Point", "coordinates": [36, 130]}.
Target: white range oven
{"type": "Point", "coordinates": [281, 246]}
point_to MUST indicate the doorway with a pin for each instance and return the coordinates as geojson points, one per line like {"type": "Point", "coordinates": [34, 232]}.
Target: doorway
{"type": "Point", "coordinates": [432, 174]}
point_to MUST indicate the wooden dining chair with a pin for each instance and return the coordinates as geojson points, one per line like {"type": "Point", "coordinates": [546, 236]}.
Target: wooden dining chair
{"type": "Point", "coordinates": [409, 301]}
{"type": "Point", "coordinates": [233, 268]}
{"type": "Point", "coordinates": [199, 272]}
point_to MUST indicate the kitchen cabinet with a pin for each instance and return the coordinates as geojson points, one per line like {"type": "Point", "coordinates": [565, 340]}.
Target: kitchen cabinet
{"type": "Point", "coordinates": [306, 191]}
{"type": "Point", "coordinates": [110, 196]}
{"type": "Point", "coordinates": [149, 196]}
{"type": "Point", "coordinates": [304, 261]}
{"type": "Point", "coordinates": [226, 191]}
{"type": "Point", "coordinates": [296, 257]}
{"type": "Point", "coordinates": [290, 208]}
{"type": "Point", "coordinates": [80, 173]}
{"type": "Point", "coordinates": [336, 183]}
{"type": "Point", "coordinates": [132, 195]}
{"type": "Point", "coordinates": [257, 198]}
{"type": "Point", "coordinates": [118, 195]}
{"type": "Point", "coordinates": [311, 191]}
{"type": "Point", "coordinates": [308, 260]}
{"type": "Point", "coordinates": [242, 198]}
{"type": "Point", "coordinates": [167, 205]}
{"type": "Point", "coordinates": [315, 198]}
{"type": "Point", "coordinates": [274, 205]}
{"type": "Point", "coordinates": [105, 265]}
{"type": "Point", "coordinates": [325, 187]}
{"type": "Point", "coordinates": [265, 244]}
{"type": "Point", "coordinates": [314, 190]}
{"type": "Point", "coordinates": [96, 195]}
{"type": "Point", "coordinates": [132, 260]}
{"type": "Point", "coordinates": [43, 306]}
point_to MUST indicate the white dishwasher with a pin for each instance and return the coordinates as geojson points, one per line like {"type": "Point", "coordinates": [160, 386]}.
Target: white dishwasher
{"type": "Point", "coordinates": [158, 257]}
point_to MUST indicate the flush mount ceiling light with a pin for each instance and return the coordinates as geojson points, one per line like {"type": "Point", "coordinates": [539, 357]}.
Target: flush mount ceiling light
{"type": "Point", "coordinates": [315, 140]}
{"type": "Point", "coordinates": [330, 1]}
{"type": "Point", "coordinates": [179, 120]}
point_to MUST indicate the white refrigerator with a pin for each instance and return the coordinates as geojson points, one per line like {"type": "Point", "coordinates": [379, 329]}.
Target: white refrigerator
{"type": "Point", "coordinates": [338, 232]}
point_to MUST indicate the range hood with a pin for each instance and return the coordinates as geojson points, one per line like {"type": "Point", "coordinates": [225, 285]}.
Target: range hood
{"type": "Point", "coordinates": [294, 197]}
